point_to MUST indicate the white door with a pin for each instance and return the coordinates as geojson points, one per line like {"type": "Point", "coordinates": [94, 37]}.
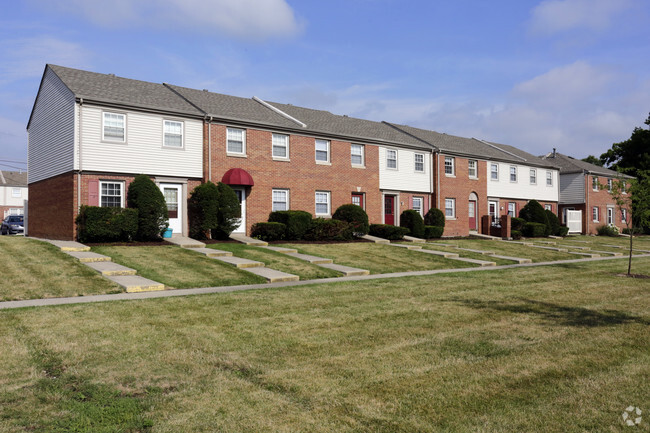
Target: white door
{"type": "Point", "coordinates": [493, 211]}
{"type": "Point", "coordinates": [241, 195]}
{"type": "Point", "coordinates": [173, 194]}
{"type": "Point", "coordinates": [574, 220]}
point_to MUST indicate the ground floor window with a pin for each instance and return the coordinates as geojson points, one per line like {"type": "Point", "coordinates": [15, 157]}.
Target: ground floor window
{"type": "Point", "coordinates": [280, 199]}
{"type": "Point", "coordinates": [624, 215]}
{"type": "Point", "coordinates": [417, 204]}
{"type": "Point", "coordinates": [610, 216]}
{"type": "Point", "coordinates": [450, 208]}
{"type": "Point", "coordinates": [322, 202]}
{"type": "Point", "coordinates": [111, 194]}
{"type": "Point", "coordinates": [512, 209]}
{"type": "Point", "coordinates": [548, 207]}
{"type": "Point", "coordinates": [595, 214]}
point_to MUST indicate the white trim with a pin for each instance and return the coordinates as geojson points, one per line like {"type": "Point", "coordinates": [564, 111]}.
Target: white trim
{"type": "Point", "coordinates": [453, 208]}
{"type": "Point", "coordinates": [286, 196]}
{"type": "Point", "coordinates": [285, 145]}
{"type": "Point", "coordinates": [326, 194]}
{"type": "Point", "coordinates": [415, 163]}
{"type": "Point", "coordinates": [110, 181]}
{"type": "Point", "coordinates": [318, 141]}
{"type": "Point", "coordinates": [453, 166]}
{"type": "Point", "coordinates": [421, 209]}
{"type": "Point", "coordinates": [516, 173]}
{"type": "Point", "coordinates": [164, 134]}
{"type": "Point", "coordinates": [124, 121]}
{"type": "Point", "coordinates": [363, 155]}
{"type": "Point", "coordinates": [388, 167]}
{"type": "Point", "coordinates": [243, 142]}
{"type": "Point", "coordinates": [469, 168]}
{"type": "Point", "coordinates": [492, 165]}
{"type": "Point", "coordinates": [532, 175]}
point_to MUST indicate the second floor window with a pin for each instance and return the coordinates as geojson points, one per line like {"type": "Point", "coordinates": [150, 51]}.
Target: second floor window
{"type": "Point", "coordinates": [533, 176]}
{"type": "Point", "coordinates": [513, 173]}
{"type": "Point", "coordinates": [449, 165]}
{"type": "Point", "coordinates": [391, 158]}
{"type": "Point", "coordinates": [173, 133]}
{"type": "Point", "coordinates": [356, 154]}
{"type": "Point", "coordinates": [114, 127]}
{"type": "Point", "coordinates": [280, 146]}
{"type": "Point", "coordinates": [322, 151]}
{"type": "Point", "coordinates": [609, 185]}
{"type": "Point", "coordinates": [472, 168]}
{"type": "Point", "coordinates": [549, 178]}
{"type": "Point", "coordinates": [594, 183]}
{"type": "Point", "coordinates": [494, 171]}
{"type": "Point", "coordinates": [419, 162]}
{"type": "Point", "coordinates": [236, 141]}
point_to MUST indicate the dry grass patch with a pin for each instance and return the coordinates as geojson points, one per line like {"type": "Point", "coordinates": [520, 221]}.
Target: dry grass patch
{"type": "Point", "coordinates": [511, 249]}
{"type": "Point", "coordinates": [33, 269]}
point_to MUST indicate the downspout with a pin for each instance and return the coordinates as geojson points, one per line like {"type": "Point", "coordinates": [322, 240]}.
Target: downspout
{"type": "Point", "coordinates": [209, 120]}
{"type": "Point", "coordinates": [81, 103]}
{"type": "Point", "coordinates": [438, 180]}
{"type": "Point", "coordinates": [587, 210]}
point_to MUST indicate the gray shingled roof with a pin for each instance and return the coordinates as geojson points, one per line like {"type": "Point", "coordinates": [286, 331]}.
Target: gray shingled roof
{"type": "Point", "coordinates": [522, 156]}
{"type": "Point", "coordinates": [13, 178]}
{"type": "Point", "coordinates": [568, 164]}
{"type": "Point", "coordinates": [108, 88]}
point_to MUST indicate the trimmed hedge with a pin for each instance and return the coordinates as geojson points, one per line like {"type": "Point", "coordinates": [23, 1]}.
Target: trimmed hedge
{"type": "Point", "coordinates": [297, 222]}
{"type": "Point", "coordinates": [553, 222]}
{"type": "Point", "coordinates": [147, 198]}
{"type": "Point", "coordinates": [517, 223]}
{"type": "Point", "coordinates": [355, 215]}
{"type": "Point", "coordinates": [435, 217]}
{"type": "Point", "coordinates": [268, 231]}
{"type": "Point", "coordinates": [534, 230]}
{"type": "Point", "coordinates": [202, 208]}
{"type": "Point", "coordinates": [431, 232]}
{"type": "Point", "coordinates": [515, 234]}
{"type": "Point", "coordinates": [389, 232]}
{"type": "Point", "coordinates": [228, 213]}
{"type": "Point", "coordinates": [106, 224]}
{"type": "Point", "coordinates": [563, 231]}
{"type": "Point", "coordinates": [329, 230]}
{"type": "Point", "coordinates": [412, 220]}
{"type": "Point", "coordinates": [533, 212]}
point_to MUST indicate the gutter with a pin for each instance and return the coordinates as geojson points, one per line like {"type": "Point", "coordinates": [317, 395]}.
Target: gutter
{"type": "Point", "coordinates": [81, 103]}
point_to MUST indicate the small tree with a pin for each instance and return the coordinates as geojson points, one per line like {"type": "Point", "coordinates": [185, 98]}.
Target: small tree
{"type": "Point", "coordinates": [203, 207]}
{"type": "Point", "coordinates": [147, 198]}
{"type": "Point", "coordinates": [533, 212]}
{"type": "Point", "coordinates": [412, 220]}
{"type": "Point", "coordinates": [229, 213]}
{"type": "Point", "coordinates": [435, 217]}
{"type": "Point", "coordinates": [355, 215]}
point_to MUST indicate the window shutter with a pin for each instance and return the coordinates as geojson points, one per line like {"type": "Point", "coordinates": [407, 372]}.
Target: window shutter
{"type": "Point", "coordinates": [93, 193]}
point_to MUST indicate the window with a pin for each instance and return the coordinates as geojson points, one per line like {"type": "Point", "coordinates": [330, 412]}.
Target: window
{"type": "Point", "coordinates": [419, 162]}
{"type": "Point", "coordinates": [280, 199]}
{"type": "Point", "coordinates": [236, 141]}
{"type": "Point", "coordinates": [548, 207]}
{"type": "Point", "coordinates": [172, 133]}
{"type": "Point", "coordinates": [322, 203]}
{"type": "Point", "coordinates": [533, 176]}
{"type": "Point", "coordinates": [417, 205]}
{"type": "Point", "coordinates": [391, 158]}
{"type": "Point", "coordinates": [594, 214]}
{"type": "Point", "coordinates": [450, 208]}
{"type": "Point", "coordinates": [322, 151]}
{"type": "Point", "coordinates": [623, 185]}
{"type": "Point", "coordinates": [357, 199]}
{"type": "Point", "coordinates": [449, 165]}
{"type": "Point", "coordinates": [356, 154]}
{"type": "Point", "coordinates": [114, 127]}
{"type": "Point", "coordinates": [594, 183]}
{"type": "Point", "coordinates": [512, 209]}
{"type": "Point", "coordinates": [280, 144]}
{"type": "Point", "coordinates": [111, 194]}
{"type": "Point", "coordinates": [513, 173]}
{"type": "Point", "coordinates": [624, 215]}
{"type": "Point", "coordinates": [472, 169]}
{"type": "Point", "coordinates": [549, 178]}
{"type": "Point", "coordinates": [494, 171]}
{"type": "Point", "coordinates": [609, 185]}
{"type": "Point", "coordinates": [16, 192]}
{"type": "Point", "coordinates": [610, 216]}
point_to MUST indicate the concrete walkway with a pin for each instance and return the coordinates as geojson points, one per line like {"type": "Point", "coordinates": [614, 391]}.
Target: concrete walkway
{"type": "Point", "coordinates": [210, 290]}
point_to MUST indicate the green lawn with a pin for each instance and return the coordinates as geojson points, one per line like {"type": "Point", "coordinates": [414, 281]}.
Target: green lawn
{"type": "Point", "coordinates": [33, 269]}
{"type": "Point", "coordinates": [510, 249]}
{"type": "Point", "coordinates": [277, 261]}
{"type": "Point", "coordinates": [377, 258]}
{"type": "Point", "coordinates": [176, 267]}
{"type": "Point", "coordinates": [557, 349]}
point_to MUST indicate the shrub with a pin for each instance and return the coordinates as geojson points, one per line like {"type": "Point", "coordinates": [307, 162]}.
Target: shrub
{"type": "Point", "coordinates": [435, 217]}
{"type": "Point", "coordinates": [106, 224]}
{"type": "Point", "coordinates": [534, 230]}
{"type": "Point", "coordinates": [268, 231]}
{"type": "Point", "coordinates": [412, 220]}
{"type": "Point", "coordinates": [553, 222]}
{"type": "Point", "coordinates": [203, 208]}
{"type": "Point", "coordinates": [147, 198]}
{"type": "Point", "coordinates": [431, 232]}
{"type": "Point", "coordinates": [606, 230]}
{"type": "Point", "coordinates": [533, 212]}
{"type": "Point", "coordinates": [228, 213]}
{"type": "Point", "coordinates": [297, 222]}
{"type": "Point", "coordinates": [563, 231]}
{"type": "Point", "coordinates": [517, 223]}
{"type": "Point", "coordinates": [389, 232]}
{"type": "Point", "coordinates": [515, 234]}
{"type": "Point", "coordinates": [355, 215]}
{"type": "Point", "coordinates": [329, 230]}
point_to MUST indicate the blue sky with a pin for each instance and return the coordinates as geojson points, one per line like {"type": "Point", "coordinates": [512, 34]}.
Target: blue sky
{"type": "Point", "coordinates": [570, 74]}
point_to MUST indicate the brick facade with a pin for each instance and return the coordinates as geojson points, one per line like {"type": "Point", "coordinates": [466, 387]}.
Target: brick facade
{"type": "Point", "coordinates": [52, 207]}
{"type": "Point", "coordinates": [602, 199]}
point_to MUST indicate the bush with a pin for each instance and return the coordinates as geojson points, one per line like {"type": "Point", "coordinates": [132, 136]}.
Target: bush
{"type": "Point", "coordinates": [563, 231]}
{"type": "Point", "coordinates": [355, 215]}
{"type": "Point", "coordinates": [431, 232]}
{"type": "Point", "coordinates": [412, 220]}
{"type": "Point", "coordinates": [330, 230]}
{"type": "Point", "coordinates": [435, 217]}
{"type": "Point", "coordinates": [147, 198]}
{"type": "Point", "coordinates": [517, 223]}
{"type": "Point", "coordinates": [297, 222]}
{"type": "Point", "coordinates": [533, 212]}
{"type": "Point", "coordinates": [534, 230]}
{"type": "Point", "coordinates": [606, 230]}
{"type": "Point", "coordinates": [553, 222]}
{"type": "Point", "coordinates": [106, 224]}
{"type": "Point", "coordinates": [203, 208]}
{"type": "Point", "coordinates": [515, 234]}
{"type": "Point", "coordinates": [389, 232]}
{"type": "Point", "coordinates": [268, 231]}
{"type": "Point", "coordinates": [228, 213]}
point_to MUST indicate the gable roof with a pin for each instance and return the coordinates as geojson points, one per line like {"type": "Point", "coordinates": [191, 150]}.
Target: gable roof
{"type": "Point", "coordinates": [568, 164]}
{"type": "Point", "coordinates": [13, 178]}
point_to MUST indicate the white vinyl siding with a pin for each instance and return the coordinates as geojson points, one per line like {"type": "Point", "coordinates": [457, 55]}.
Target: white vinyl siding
{"type": "Point", "coordinates": [322, 203]}
{"type": "Point", "coordinates": [280, 199]}
{"type": "Point", "coordinates": [357, 154]}
{"type": "Point", "coordinates": [403, 177]}
{"type": "Point", "coordinates": [520, 190]}
{"type": "Point", "coordinates": [280, 146]}
{"type": "Point", "coordinates": [322, 149]}
{"type": "Point", "coordinates": [51, 148]}
{"type": "Point", "coordinates": [236, 141]}
{"type": "Point", "coordinates": [173, 133]}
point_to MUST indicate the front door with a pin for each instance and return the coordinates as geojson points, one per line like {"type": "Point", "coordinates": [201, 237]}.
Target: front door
{"type": "Point", "coordinates": [173, 193]}
{"type": "Point", "coordinates": [241, 195]}
{"type": "Point", "coordinates": [472, 215]}
{"type": "Point", "coordinates": [493, 211]}
{"type": "Point", "coordinates": [389, 210]}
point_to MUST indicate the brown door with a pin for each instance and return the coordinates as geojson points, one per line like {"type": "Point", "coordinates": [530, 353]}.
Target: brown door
{"type": "Point", "coordinates": [472, 215]}
{"type": "Point", "coordinates": [357, 199]}
{"type": "Point", "coordinates": [389, 210]}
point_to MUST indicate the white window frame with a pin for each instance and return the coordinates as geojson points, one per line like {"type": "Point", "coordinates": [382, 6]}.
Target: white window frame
{"type": "Point", "coordinates": [318, 199]}
{"type": "Point", "coordinates": [512, 207]}
{"type": "Point", "coordinates": [318, 142]}
{"type": "Point", "coordinates": [533, 176]}
{"type": "Point", "coordinates": [610, 216]}
{"type": "Point", "coordinates": [610, 183]}
{"type": "Point", "coordinates": [624, 215]}
{"type": "Point", "coordinates": [101, 191]}
{"type": "Point", "coordinates": [280, 141]}
{"type": "Point", "coordinates": [361, 154]}
{"type": "Point", "coordinates": [549, 178]}
{"type": "Point", "coordinates": [515, 174]}
{"type": "Point", "coordinates": [494, 171]}
{"type": "Point", "coordinates": [243, 141]}
{"type": "Point", "coordinates": [173, 134]}
{"type": "Point", "coordinates": [390, 152]}
{"type": "Point", "coordinates": [415, 162]}
{"type": "Point", "coordinates": [548, 207]}
{"type": "Point", "coordinates": [472, 166]}
{"type": "Point", "coordinates": [595, 214]}
{"type": "Point", "coordinates": [450, 166]}
{"type": "Point", "coordinates": [279, 192]}
{"type": "Point", "coordinates": [104, 126]}
{"type": "Point", "coordinates": [419, 208]}
{"type": "Point", "coordinates": [594, 183]}
{"type": "Point", "coordinates": [450, 208]}
{"type": "Point", "coordinates": [16, 192]}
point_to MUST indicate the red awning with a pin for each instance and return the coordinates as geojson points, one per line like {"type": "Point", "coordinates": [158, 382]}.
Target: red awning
{"type": "Point", "coordinates": [237, 176]}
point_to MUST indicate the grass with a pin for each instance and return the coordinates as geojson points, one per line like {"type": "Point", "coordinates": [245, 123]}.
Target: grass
{"type": "Point", "coordinates": [556, 349]}
{"type": "Point", "coordinates": [508, 249]}
{"type": "Point", "coordinates": [468, 254]}
{"type": "Point", "coordinates": [378, 259]}
{"type": "Point", "coordinates": [176, 267]}
{"type": "Point", "coordinates": [33, 269]}
{"type": "Point", "coordinates": [277, 261]}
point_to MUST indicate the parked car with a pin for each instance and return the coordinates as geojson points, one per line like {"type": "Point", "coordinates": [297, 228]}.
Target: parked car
{"type": "Point", "coordinates": [12, 224]}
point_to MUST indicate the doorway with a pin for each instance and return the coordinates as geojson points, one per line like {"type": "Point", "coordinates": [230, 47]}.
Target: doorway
{"type": "Point", "coordinates": [173, 193]}
{"type": "Point", "coordinates": [389, 210]}
{"type": "Point", "coordinates": [241, 196]}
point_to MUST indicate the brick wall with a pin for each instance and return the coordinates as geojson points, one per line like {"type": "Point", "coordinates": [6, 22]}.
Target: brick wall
{"type": "Point", "coordinates": [601, 199]}
{"type": "Point", "coordinates": [301, 175]}
{"type": "Point", "coordinates": [52, 207]}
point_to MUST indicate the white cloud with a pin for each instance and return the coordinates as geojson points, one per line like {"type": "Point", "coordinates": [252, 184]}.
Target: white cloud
{"type": "Point", "coordinates": [557, 16]}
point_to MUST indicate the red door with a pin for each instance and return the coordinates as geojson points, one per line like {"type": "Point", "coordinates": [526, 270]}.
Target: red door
{"type": "Point", "coordinates": [357, 199]}
{"type": "Point", "coordinates": [472, 215]}
{"type": "Point", "coordinates": [389, 210]}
